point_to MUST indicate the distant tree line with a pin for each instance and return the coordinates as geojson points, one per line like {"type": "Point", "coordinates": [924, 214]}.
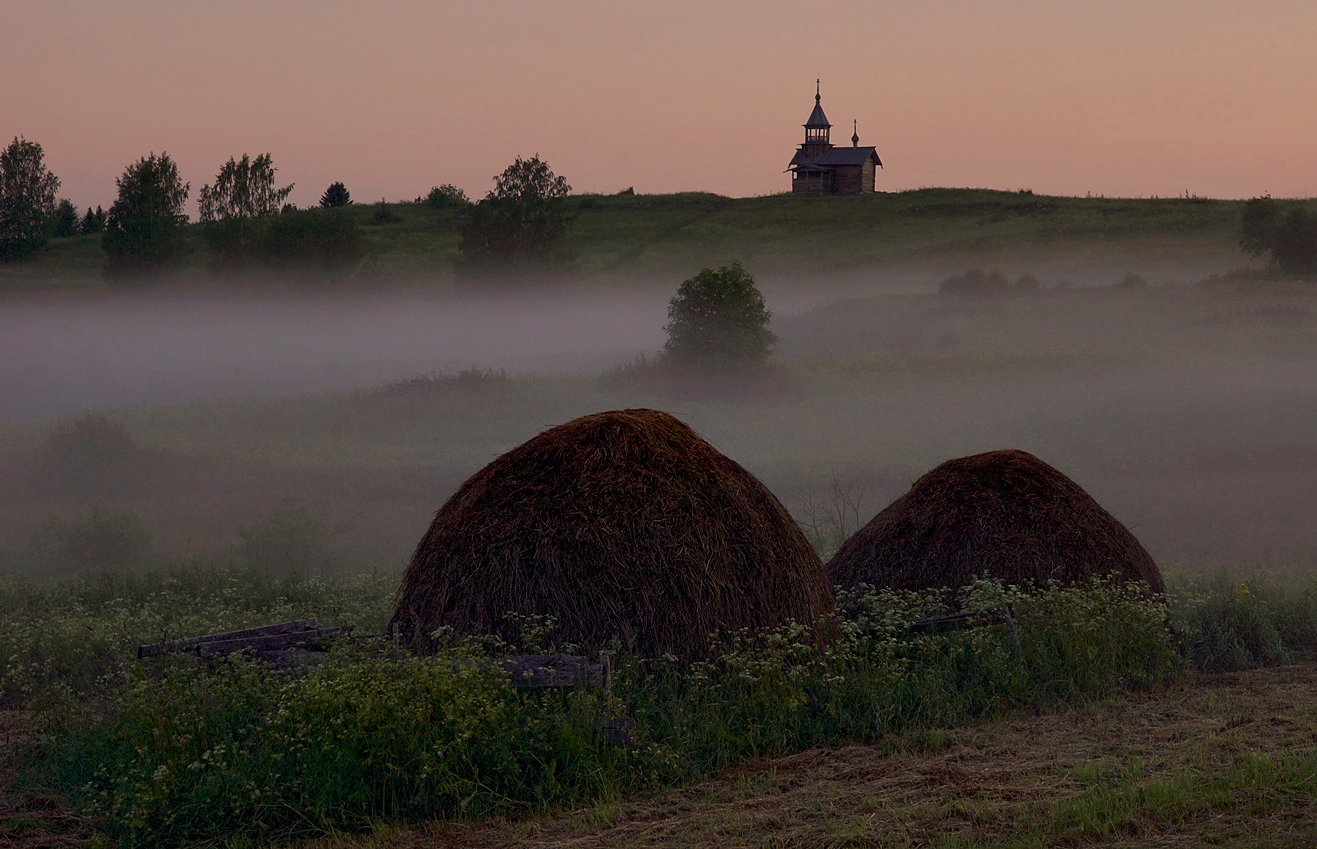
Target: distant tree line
{"type": "Point", "coordinates": [246, 220]}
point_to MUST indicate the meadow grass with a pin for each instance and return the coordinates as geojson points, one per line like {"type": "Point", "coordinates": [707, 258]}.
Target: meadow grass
{"type": "Point", "coordinates": [644, 234]}
{"type": "Point", "coordinates": [174, 752]}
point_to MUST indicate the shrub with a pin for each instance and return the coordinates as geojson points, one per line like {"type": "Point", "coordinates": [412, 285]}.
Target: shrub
{"type": "Point", "coordinates": [1289, 235]}
{"type": "Point", "coordinates": [383, 214]}
{"type": "Point", "coordinates": [1227, 624]}
{"type": "Point", "coordinates": [327, 241]}
{"type": "Point", "coordinates": [1130, 282]}
{"type": "Point", "coordinates": [104, 540]}
{"type": "Point", "coordinates": [446, 196]}
{"type": "Point", "coordinates": [718, 318]}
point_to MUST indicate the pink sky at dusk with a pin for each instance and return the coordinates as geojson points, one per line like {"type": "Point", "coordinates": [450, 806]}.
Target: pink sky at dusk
{"type": "Point", "coordinates": [1117, 98]}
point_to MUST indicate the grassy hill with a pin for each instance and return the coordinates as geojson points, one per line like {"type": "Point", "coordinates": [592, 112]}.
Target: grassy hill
{"type": "Point", "coordinates": [675, 234]}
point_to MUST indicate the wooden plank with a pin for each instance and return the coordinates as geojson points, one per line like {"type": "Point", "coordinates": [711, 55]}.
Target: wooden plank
{"type": "Point", "coordinates": [269, 642]}
{"type": "Point", "coordinates": [172, 646]}
{"type": "Point", "coordinates": [968, 619]}
{"type": "Point", "coordinates": [555, 670]}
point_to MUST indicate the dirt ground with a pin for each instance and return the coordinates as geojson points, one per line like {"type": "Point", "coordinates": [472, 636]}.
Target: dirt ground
{"type": "Point", "coordinates": [1229, 760]}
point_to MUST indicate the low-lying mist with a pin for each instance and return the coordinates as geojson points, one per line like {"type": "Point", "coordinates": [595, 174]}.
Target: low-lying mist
{"type": "Point", "coordinates": [292, 429]}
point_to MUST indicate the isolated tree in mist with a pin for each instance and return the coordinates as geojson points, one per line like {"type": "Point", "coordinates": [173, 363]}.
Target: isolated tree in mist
{"type": "Point", "coordinates": [1288, 235]}
{"type": "Point", "coordinates": [27, 199]}
{"type": "Point", "coordinates": [1294, 247]}
{"type": "Point", "coordinates": [719, 318]}
{"type": "Point", "coordinates": [336, 195]}
{"type": "Point", "coordinates": [145, 229]}
{"type": "Point", "coordinates": [64, 222]}
{"type": "Point", "coordinates": [244, 191]}
{"type": "Point", "coordinates": [520, 222]}
{"type": "Point", "coordinates": [1261, 219]}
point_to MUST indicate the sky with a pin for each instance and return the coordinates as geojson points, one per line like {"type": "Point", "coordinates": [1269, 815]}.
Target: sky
{"type": "Point", "coordinates": [1158, 97]}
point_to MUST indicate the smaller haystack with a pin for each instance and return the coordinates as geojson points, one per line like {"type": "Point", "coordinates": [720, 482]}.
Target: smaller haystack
{"type": "Point", "coordinates": [622, 525]}
{"type": "Point", "coordinates": [1003, 514]}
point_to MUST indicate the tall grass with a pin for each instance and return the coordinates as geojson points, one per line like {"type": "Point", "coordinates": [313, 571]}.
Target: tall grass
{"type": "Point", "coordinates": [188, 753]}
{"type": "Point", "coordinates": [171, 751]}
{"type": "Point", "coordinates": [66, 641]}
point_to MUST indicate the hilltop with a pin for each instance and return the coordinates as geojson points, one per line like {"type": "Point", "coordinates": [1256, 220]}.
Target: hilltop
{"type": "Point", "coordinates": [939, 230]}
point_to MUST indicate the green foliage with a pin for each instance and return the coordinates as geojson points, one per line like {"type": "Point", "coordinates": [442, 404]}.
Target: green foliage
{"type": "Point", "coordinates": [383, 214]}
{"type": "Point", "coordinates": [1261, 217]}
{"type": "Point", "coordinates": [93, 222]}
{"type": "Point", "coordinates": [1227, 624]}
{"type": "Point", "coordinates": [520, 223]}
{"type": "Point", "coordinates": [244, 191]}
{"type": "Point", "coordinates": [447, 195]}
{"type": "Point", "coordinates": [1289, 235]}
{"type": "Point", "coordinates": [198, 753]}
{"type": "Point", "coordinates": [27, 199]}
{"type": "Point", "coordinates": [289, 543]}
{"type": "Point", "coordinates": [65, 222]}
{"type": "Point", "coordinates": [103, 540]}
{"type": "Point", "coordinates": [145, 228]}
{"type": "Point", "coordinates": [68, 643]}
{"type": "Point", "coordinates": [335, 196]}
{"type": "Point", "coordinates": [326, 241]}
{"type": "Point", "coordinates": [1294, 248]}
{"type": "Point", "coordinates": [718, 318]}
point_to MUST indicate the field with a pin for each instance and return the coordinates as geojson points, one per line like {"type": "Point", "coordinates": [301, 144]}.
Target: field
{"type": "Point", "coordinates": [646, 236]}
{"type": "Point", "coordinates": [206, 453]}
{"type": "Point", "coordinates": [1227, 761]}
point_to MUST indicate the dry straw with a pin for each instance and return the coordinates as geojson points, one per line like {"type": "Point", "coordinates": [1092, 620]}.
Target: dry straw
{"type": "Point", "coordinates": [623, 525]}
{"type": "Point", "coordinates": [1003, 514]}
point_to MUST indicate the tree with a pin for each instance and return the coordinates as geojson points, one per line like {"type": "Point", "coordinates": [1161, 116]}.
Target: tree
{"type": "Point", "coordinates": [719, 318]}
{"type": "Point", "coordinates": [447, 195]}
{"type": "Point", "coordinates": [1261, 219]}
{"type": "Point", "coordinates": [243, 192]}
{"type": "Point", "coordinates": [1294, 246]}
{"type": "Point", "coordinates": [519, 223]}
{"type": "Point", "coordinates": [336, 195]}
{"type": "Point", "coordinates": [64, 222]}
{"type": "Point", "coordinates": [27, 199]}
{"type": "Point", "coordinates": [1290, 236]}
{"type": "Point", "coordinates": [93, 221]}
{"type": "Point", "coordinates": [145, 228]}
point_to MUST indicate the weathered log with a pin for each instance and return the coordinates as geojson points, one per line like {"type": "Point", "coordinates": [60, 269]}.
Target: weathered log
{"type": "Point", "coordinates": [968, 619]}
{"type": "Point", "coordinates": [284, 635]}
{"type": "Point", "coordinates": [555, 670]}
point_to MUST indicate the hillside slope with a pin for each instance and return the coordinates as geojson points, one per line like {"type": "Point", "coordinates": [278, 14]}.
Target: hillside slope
{"type": "Point", "coordinates": [675, 234]}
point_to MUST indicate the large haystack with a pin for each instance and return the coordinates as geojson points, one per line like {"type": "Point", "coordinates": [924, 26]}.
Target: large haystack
{"type": "Point", "coordinates": [621, 525]}
{"type": "Point", "coordinates": [1005, 515]}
